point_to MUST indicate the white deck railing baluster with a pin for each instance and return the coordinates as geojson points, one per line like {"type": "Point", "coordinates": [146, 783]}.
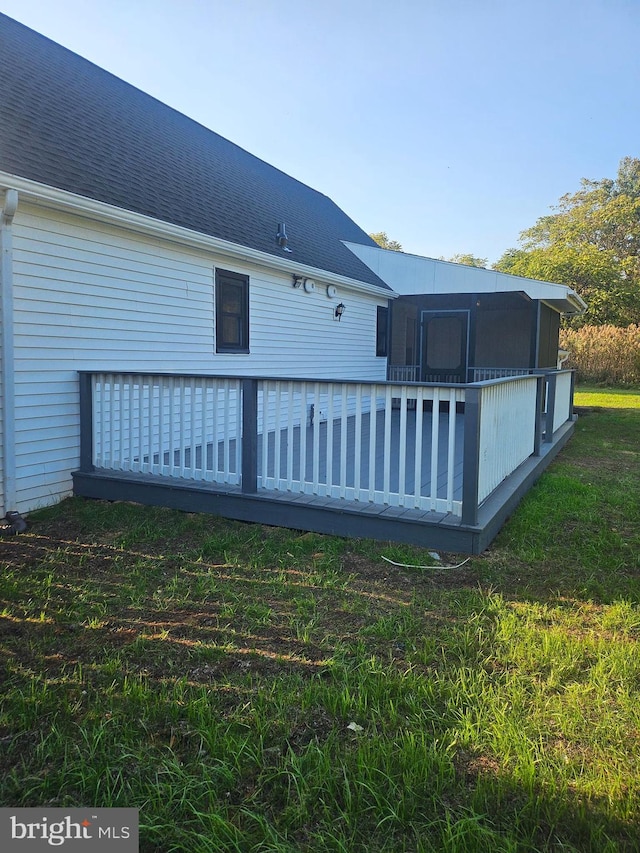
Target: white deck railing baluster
{"type": "Point", "coordinates": [157, 435]}
{"type": "Point", "coordinates": [196, 473]}
{"type": "Point", "coordinates": [97, 421]}
{"type": "Point", "coordinates": [111, 456]}
{"type": "Point", "coordinates": [388, 405]}
{"type": "Point", "coordinates": [417, 467]}
{"type": "Point", "coordinates": [373, 429]}
{"type": "Point", "coordinates": [170, 453]}
{"type": "Point", "coordinates": [328, 451]}
{"type": "Point", "coordinates": [344, 405]}
{"type": "Point", "coordinates": [304, 419]}
{"type": "Point", "coordinates": [316, 434]}
{"type": "Point", "coordinates": [435, 446]}
{"type": "Point", "coordinates": [451, 448]}
{"type": "Point", "coordinates": [277, 415]}
{"type": "Point", "coordinates": [402, 474]}
{"type": "Point", "coordinates": [226, 424]}
{"type": "Point", "coordinates": [291, 398]}
{"type": "Point", "coordinates": [130, 426]}
{"type": "Point", "coordinates": [141, 421]}
{"type": "Point", "coordinates": [207, 472]}
{"type": "Point", "coordinates": [357, 442]}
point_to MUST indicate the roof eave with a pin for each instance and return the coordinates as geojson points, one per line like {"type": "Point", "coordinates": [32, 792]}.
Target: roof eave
{"type": "Point", "coordinates": [417, 275]}
{"type": "Point", "coordinates": [58, 199]}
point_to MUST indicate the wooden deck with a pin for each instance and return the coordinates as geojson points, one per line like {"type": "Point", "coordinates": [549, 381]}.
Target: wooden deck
{"type": "Point", "coordinates": [440, 531]}
{"type": "Point", "coordinates": [431, 465]}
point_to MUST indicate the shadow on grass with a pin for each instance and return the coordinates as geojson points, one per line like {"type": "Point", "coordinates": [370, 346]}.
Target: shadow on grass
{"type": "Point", "coordinates": [208, 672]}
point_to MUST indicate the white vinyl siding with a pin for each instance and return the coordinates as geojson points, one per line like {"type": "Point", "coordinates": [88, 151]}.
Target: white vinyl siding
{"type": "Point", "coordinates": [3, 509]}
{"type": "Point", "coordinates": [89, 296]}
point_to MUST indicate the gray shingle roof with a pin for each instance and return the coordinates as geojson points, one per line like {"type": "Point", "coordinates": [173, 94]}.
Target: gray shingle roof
{"type": "Point", "coordinates": [69, 124]}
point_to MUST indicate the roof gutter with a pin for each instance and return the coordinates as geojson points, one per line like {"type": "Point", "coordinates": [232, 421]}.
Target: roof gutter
{"type": "Point", "coordinates": [57, 199]}
{"type": "Point", "coordinates": [577, 301]}
{"type": "Point", "coordinates": [10, 205]}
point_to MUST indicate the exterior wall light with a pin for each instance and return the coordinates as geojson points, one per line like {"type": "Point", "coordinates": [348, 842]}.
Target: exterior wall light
{"type": "Point", "coordinates": [340, 309]}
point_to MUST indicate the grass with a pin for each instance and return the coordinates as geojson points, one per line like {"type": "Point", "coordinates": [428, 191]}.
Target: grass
{"type": "Point", "coordinates": [612, 398]}
{"type": "Point", "coordinates": [209, 672]}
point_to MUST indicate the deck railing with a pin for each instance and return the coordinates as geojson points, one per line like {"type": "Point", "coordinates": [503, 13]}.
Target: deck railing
{"type": "Point", "coordinates": [483, 374]}
{"type": "Point", "coordinates": [563, 399]}
{"type": "Point", "coordinates": [508, 411]}
{"type": "Point", "coordinates": [412, 373]}
{"type": "Point", "coordinates": [166, 425]}
{"type": "Point", "coordinates": [428, 447]}
{"type": "Point", "coordinates": [403, 373]}
{"type": "Point", "coordinates": [372, 442]}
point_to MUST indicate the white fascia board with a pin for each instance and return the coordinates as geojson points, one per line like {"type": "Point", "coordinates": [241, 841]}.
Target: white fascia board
{"type": "Point", "coordinates": [57, 199]}
{"type": "Point", "coordinates": [413, 275]}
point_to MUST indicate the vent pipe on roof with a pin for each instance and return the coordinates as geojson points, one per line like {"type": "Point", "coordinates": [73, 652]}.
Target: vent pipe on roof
{"type": "Point", "coordinates": [281, 236]}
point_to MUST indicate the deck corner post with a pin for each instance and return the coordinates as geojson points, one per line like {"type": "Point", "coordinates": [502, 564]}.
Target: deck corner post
{"type": "Point", "coordinates": [249, 436]}
{"type": "Point", "coordinates": [551, 406]}
{"type": "Point", "coordinates": [471, 455]}
{"type": "Point", "coordinates": [572, 391]}
{"type": "Point", "coordinates": [86, 421]}
{"type": "Point", "coordinates": [537, 438]}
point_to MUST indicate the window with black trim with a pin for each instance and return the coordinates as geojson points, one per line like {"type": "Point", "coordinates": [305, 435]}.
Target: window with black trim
{"type": "Point", "coordinates": [382, 331]}
{"type": "Point", "coordinates": [232, 312]}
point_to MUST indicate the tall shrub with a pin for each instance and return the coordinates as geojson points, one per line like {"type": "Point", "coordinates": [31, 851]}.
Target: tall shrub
{"type": "Point", "coordinates": [604, 354]}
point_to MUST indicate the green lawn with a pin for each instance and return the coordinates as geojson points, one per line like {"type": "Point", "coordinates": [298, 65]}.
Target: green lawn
{"type": "Point", "coordinates": [612, 398]}
{"type": "Point", "coordinates": [256, 689]}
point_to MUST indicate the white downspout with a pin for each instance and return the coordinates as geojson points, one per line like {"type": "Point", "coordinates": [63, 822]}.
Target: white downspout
{"type": "Point", "coordinates": [6, 344]}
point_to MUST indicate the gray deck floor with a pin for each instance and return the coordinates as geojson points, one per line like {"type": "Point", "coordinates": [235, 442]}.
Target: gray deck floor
{"type": "Point", "coordinates": [348, 448]}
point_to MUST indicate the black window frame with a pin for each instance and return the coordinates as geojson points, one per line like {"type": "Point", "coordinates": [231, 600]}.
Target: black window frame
{"type": "Point", "coordinates": [225, 279]}
{"type": "Point", "coordinates": [382, 331]}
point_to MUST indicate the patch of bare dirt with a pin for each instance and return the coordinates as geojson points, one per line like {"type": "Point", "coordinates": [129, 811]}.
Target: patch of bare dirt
{"type": "Point", "coordinates": [162, 640]}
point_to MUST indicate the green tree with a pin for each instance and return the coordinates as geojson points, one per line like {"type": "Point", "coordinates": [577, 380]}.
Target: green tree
{"type": "Point", "coordinates": [385, 243]}
{"type": "Point", "coordinates": [468, 259]}
{"type": "Point", "coordinates": [591, 243]}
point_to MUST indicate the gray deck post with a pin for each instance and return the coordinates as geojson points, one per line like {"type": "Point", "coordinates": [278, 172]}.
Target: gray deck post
{"type": "Point", "coordinates": [471, 455]}
{"type": "Point", "coordinates": [86, 422]}
{"type": "Point", "coordinates": [249, 436]}
{"type": "Point", "coordinates": [551, 405]}
{"type": "Point", "coordinates": [572, 391]}
{"type": "Point", "coordinates": [537, 438]}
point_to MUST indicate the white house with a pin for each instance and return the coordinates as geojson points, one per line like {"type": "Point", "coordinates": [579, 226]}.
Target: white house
{"type": "Point", "coordinates": [135, 239]}
{"type": "Point", "coordinates": [137, 243]}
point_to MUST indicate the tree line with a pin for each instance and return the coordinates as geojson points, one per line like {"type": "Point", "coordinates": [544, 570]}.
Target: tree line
{"type": "Point", "coordinates": [590, 242]}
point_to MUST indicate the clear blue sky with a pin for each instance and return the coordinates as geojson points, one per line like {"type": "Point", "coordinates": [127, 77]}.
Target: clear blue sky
{"type": "Point", "coordinates": [450, 124]}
